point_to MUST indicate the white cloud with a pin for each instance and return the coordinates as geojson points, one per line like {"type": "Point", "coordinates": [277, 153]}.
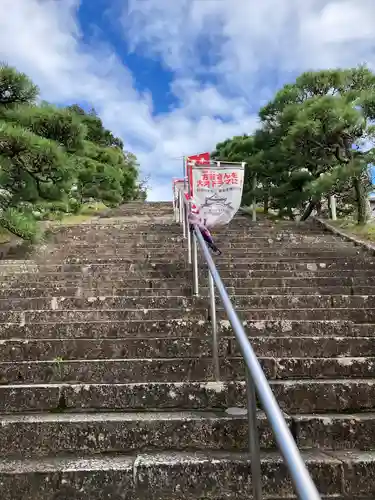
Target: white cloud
{"type": "Point", "coordinates": [239, 47]}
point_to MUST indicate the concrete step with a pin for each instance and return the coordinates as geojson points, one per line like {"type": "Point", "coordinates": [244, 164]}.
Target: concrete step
{"type": "Point", "coordinates": [163, 227]}
{"type": "Point", "coordinates": [94, 253]}
{"type": "Point", "coordinates": [172, 257]}
{"type": "Point", "coordinates": [333, 431]}
{"type": "Point", "coordinates": [181, 347]}
{"type": "Point", "coordinates": [209, 475]}
{"type": "Point", "coordinates": [130, 265]}
{"type": "Point", "coordinates": [362, 315]}
{"type": "Point", "coordinates": [131, 241]}
{"type": "Point", "coordinates": [86, 292]}
{"type": "Point", "coordinates": [293, 396]}
{"type": "Point", "coordinates": [103, 302]}
{"type": "Point", "coordinates": [360, 284]}
{"type": "Point", "coordinates": [118, 371]}
{"type": "Point", "coordinates": [46, 434]}
{"type": "Point", "coordinates": [106, 290]}
{"type": "Point", "coordinates": [173, 302]}
{"type": "Point", "coordinates": [179, 245]}
{"type": "Point", "coordinates": [90, 233]}
{"type": "Point", "coordinates": [160, 227]}
{"type": "Point", "coordinates": [175, 328]}
{"type": "Point", "coordinates": [122, 277]}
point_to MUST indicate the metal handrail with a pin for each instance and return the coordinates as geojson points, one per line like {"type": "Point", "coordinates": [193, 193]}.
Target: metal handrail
{"type": "Point", "coordinates": [256, 380]}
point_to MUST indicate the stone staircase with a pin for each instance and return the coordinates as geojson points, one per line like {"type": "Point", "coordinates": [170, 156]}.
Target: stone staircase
{"type": "Point", "coordinates": [107, 388]}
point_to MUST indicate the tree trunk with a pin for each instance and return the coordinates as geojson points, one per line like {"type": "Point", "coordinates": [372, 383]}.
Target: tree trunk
{"type": "Point", "coordinates": [362, 201]}
{"type": "Point", "coordinates": [318, 208]}
{"type": "Point", "coordinates": [266, 203]}
{"type": "Point", "coordinates": [309, 209]}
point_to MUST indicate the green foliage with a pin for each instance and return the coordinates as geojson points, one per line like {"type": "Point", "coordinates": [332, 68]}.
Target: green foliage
{"type": "Point", "coordinates": [52, 160]}
{"type": "Point", "coordinates": [305, 147]}
{"type": "Point", "coordinates": [15, 87]}
{"type": "Point", "coordinates": [32, 167]}
{"type": "Point", "coordinates": [53, 123]}
{"type": "Point", "coordinates": [20, 222]}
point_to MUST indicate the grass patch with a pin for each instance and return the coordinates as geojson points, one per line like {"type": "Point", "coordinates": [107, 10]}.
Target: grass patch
{"type": "Point", "coordinates": [87, 211]}
{"type": "Point", "coordinates": [5, 236]}
{"type": "Point", "coordinates": [260, 211]}
{"type": "Point", "coordinates": [365, 232]}
{"type": "Point", "coordinates": [92, 208]}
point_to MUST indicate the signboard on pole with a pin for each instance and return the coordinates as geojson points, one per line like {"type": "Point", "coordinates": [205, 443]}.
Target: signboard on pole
{"type": "Point", "coordinates": [218, 191]}
{"type": "Point", "coordinates": [200, 160]}
{"type": "Point", "coordinates": [178, 185]}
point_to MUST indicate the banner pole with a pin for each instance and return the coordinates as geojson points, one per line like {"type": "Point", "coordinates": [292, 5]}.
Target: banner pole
{"type": "Point", "coordinates": [173, 202]}
{"type": "Point", "coordinates": [183, 167]}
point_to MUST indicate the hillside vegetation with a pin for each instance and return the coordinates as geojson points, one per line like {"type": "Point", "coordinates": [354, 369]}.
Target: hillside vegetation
{"type": "Point", "coordinates": [54, 160]}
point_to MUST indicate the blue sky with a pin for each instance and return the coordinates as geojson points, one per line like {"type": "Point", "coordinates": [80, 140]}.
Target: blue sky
{"type": "Point", "coordinates": [174, 77]}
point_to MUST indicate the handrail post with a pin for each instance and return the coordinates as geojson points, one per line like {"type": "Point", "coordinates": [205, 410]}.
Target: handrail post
{"type": "Point", "coordinates": [215, 344]}
{"type": "Point", "coordinates": [254, 448]}
{"type": "Point", "coordinates": [177, 211]}
{"type": "Point", "coordinates": [177, 208]}
{"type": "Point", "coordinates": [184, 219]}
{"type": "Point", "coordinates": [188, 232]}
{"type": "Point", "coordinates": [195, 266]}
{"type": "Point", "coordinates": [189, 237]}
{"type": "Point", "coordinates": [180, 201]}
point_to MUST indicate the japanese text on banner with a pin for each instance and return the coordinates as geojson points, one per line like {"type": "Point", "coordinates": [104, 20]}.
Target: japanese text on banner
{"type": "Point", "coordinates": [211, 179]}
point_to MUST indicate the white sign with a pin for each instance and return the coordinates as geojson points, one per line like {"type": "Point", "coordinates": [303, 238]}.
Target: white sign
{"type": "Point", "coordinates": [217, 192]}
{"type": "Point", "coordinates": [178, 185]}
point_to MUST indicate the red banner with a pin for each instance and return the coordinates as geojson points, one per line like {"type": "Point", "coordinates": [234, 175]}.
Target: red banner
{"type": "Point", "coordinates": [201, 159]}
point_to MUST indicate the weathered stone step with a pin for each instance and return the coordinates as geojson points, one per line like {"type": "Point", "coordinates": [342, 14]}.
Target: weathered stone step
{"type": "Point", "coordinates": [132, 236]}
{"type": "Point", "coordinates": [173, 327]}
{"type": "Point", "coordinates": [164, 228]}
{"type": "Point", "coordinates": [178, 369]}
{"type": "Point", "coordinates": [181, 328]}
{"type": "Point", "coordinates": [171, 302]}
{"type": "Point", "coordinates": [338, 475]}
{"type": "Point", "coordinates": [130, 265]}
{"type": "Point", "coordinates": [95, 253]}
{"type": "Point", "coordinates": [101, 302]}
{"type": "Point", "coordinates": [102, 315]}
{"type": "Point", "coordinates": [146, 275]}
{"type": "Point", "coordinates": [173, 233]}
{"type": "Point", "coordinates": [300, 301]}
{"type": "Point", "coordinates": [46, 434]}
{"type": "Point", "coordinates": [88, 292]}
{"type": "Point", "coordinates": [360, 284]}
{"type": "Point", "coordinates": [181, 347]}
{"type": "Point", "coordinates": [89, 348]}
{"type": "Point", "coordinates": [293, 396]}
{"type": "Point", "coordinates": [180, 245]}
{"type": "Point", "coordinates": [173, 257]}
{"type": "Point", "coordinates": [303, 347]}
{"type": "Point", "coordinates": [334, 431]}
{"type": "Point", "coordinates": [106, 290]}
